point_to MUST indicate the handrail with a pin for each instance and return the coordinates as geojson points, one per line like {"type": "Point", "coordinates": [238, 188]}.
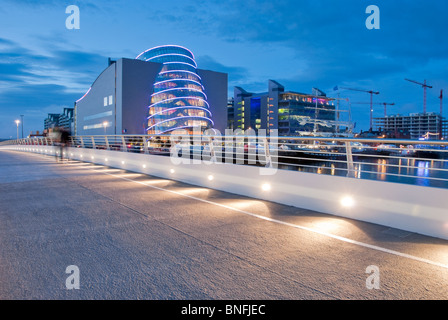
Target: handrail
{"type": "Point", "coordinates": [398, 160]}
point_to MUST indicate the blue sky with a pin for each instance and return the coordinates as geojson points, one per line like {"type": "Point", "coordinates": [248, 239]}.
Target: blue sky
{"type": "Point", "coordinates": [45, 67]}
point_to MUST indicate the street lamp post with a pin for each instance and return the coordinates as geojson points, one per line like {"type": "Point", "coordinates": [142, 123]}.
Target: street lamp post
{"type": "Point", "coordinates": [17, 123]}
{"type": "Point", "coordinates": [21, 116]}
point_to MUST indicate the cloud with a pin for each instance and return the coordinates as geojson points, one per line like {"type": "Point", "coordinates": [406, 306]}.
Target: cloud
{"type": "Point", "coordinates": [71, 71]}
{"type": "Point", "coordinates": [54, 3]}
{"type": "Point", "coordinates": [331, 38]}
{"type": "Point", "coordinates": [236, 74]}
{"type": "Point", "coordinates": [31, 83]}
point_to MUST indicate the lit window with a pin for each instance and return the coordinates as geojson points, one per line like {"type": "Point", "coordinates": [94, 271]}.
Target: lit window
{"type": "Point", "coordinates": [105, 101]}
{"type": "Point", "coordinates": [110, 100]}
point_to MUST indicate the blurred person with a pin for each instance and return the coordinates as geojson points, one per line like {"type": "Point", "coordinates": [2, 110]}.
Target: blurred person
{"type": "Point", "coordinates": [55, 136]}
{"type": "Point", "coordinates": [64, 141]}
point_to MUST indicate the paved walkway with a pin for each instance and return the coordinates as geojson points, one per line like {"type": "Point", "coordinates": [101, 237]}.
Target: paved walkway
{"type": "Point", "coordinates": [134, 236]}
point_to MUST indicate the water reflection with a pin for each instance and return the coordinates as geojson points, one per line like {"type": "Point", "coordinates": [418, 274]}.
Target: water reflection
{"type": "Point", "coordinates": [382, 169]}
{"type": "Point", "coordinates": [423, 171]}
{"type": "Point", "coordinates": [411, 171]}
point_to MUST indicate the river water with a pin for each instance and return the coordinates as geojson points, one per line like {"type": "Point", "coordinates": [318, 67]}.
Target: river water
{"type": "Point", "coordinates": [405, 170]}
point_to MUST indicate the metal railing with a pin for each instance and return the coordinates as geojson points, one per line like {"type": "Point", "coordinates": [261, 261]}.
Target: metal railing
{"type": "Point", "coordinates": [406, 161]}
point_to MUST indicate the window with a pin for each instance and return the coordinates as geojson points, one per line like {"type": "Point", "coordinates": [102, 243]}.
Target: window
{"type": "Point", "coordinates": [110, 100]}
{"type": "Point", "coordinates": [105, 101]}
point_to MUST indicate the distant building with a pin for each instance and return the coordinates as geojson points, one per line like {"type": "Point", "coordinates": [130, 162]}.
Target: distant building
{"type": "Point", "coordinates": [230, 113]}
{"type": "Point", "coordinates": [158, 92]}
{"type": "Point", "coordinates": [36, 134]}
{"type": "Point", "coordinates": [445, 129]}
{"type": "Point", "coordinates": [291, 113]}
{"type": "Point", "coordinates": [429, 125]}
{"type": "Point", "coordinates": [64, 119]}
{"type": "Point", "coordinates": [51, 121]}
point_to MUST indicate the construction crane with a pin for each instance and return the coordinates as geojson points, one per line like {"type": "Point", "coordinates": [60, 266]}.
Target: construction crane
{"type": "Point", "coordinates": [424, 85]}
{"type": "Point", "coordinates": [371, 101]}
{"type": "Point", "coordinates": [385, 104]}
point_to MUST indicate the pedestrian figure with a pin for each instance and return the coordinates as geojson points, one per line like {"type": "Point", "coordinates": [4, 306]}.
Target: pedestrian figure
{"type": "Point", "coordinates": [65, 139]}
{"type": "Point", "coordinates": [55, 136]}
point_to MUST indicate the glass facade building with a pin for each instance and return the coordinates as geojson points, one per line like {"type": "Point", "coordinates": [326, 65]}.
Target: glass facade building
{"type": "Point", "coordinates": [64, 120]}
{"type": "Point", "coordinates": [178, 100]}
{"type": "Point", "coordinates": [301, 113]}
{"type": "Point", "coordinates": [291, 113]}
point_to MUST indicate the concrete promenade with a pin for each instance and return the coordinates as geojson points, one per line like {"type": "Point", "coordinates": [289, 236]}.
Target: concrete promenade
{"type": "Point", "coordinates": [134, 236]}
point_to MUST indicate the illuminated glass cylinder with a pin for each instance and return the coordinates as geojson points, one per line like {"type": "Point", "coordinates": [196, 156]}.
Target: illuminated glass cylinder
{"type": "Point", "coordinates": [178, 100]}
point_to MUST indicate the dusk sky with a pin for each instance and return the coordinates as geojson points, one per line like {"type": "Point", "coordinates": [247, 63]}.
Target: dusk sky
{"type": "Point", "coordinates": [45, 67]}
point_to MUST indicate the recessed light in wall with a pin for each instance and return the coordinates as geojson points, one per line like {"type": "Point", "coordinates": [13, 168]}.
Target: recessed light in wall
{"type": "Point", "coordinates": [266, 187]}
{"type": "Point", "coordinates": [347, 201]}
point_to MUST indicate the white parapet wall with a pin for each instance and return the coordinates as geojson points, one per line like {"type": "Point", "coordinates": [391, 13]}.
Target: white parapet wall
{"type": "Point", "coordinates": [413, 208]}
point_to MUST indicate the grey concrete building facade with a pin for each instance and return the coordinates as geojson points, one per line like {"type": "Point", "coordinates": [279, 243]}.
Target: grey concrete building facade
{"type": "Point", "coordinates": [428, 125]}
{"type": "Point", "coordinates": [117, 102]}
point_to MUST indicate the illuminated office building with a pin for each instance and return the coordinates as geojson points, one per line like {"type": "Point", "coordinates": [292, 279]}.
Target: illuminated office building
{"type": "Point", "coordinates": [291, 113]}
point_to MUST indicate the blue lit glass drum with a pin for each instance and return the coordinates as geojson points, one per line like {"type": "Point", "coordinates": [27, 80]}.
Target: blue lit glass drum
{"type": "Point", "coordinates": [178, 100]}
